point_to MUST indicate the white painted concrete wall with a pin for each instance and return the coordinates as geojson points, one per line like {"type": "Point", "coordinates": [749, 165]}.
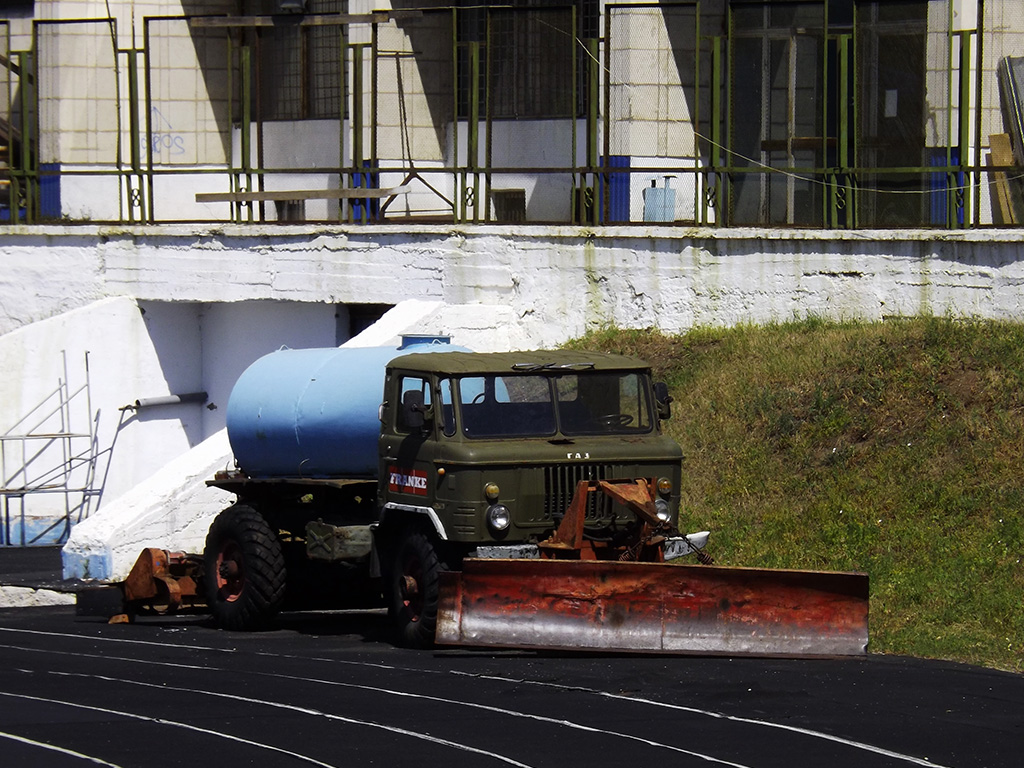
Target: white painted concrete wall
{"type": "Point", "coordinates": [122, 365]}
{"type": "Point", "coordinates": [135, 350]}
{"type": "Point", "coordinates": [558, 281]}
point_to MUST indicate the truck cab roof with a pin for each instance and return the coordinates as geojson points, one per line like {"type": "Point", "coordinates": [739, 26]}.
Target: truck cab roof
{"type": "Point", "coordinates": [535, 361]}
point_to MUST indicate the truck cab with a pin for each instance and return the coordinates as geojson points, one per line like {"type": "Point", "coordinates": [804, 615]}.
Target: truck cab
{"type": "Point", "coordinates": [481, 454]}
{"type": "Point", "coordinates": [489, 447]}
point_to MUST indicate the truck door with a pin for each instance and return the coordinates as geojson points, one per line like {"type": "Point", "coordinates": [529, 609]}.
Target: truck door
{"type": "Point", "coordinates": [408, 445]}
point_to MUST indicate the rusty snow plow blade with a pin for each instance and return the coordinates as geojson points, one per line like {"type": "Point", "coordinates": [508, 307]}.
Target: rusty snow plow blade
{"type": "Point", "coordinates": [653, 608]}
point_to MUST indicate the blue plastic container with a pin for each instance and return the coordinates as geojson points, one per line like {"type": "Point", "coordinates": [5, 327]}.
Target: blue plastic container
{"type": "Point", "coordinates": [312, 412]}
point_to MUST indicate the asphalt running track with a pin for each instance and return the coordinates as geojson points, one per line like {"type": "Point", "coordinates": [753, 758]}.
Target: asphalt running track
{"type": "Point", "coordinates": [326, 690]}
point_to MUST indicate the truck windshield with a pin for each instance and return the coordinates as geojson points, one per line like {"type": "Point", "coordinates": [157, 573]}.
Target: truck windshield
{"type": "Point", "coordinates": [592, 403]}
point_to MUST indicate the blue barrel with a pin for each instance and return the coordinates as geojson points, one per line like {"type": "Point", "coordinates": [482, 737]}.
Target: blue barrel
{"type": "Point", "coordinates": [311, 412]}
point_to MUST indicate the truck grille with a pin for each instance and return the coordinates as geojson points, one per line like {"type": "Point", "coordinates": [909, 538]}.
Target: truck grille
{"type": "Point", "coordinates": [560, 485]}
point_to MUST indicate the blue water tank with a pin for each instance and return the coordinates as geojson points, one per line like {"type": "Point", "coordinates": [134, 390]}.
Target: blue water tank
{"type": "Point", "coordinates": [312, 412]}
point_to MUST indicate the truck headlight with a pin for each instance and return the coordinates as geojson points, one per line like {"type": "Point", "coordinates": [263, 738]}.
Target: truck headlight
{"type": "Point", "coordinates": [498, 517]}
{"type": "Point", "coordinates": [662, 510]}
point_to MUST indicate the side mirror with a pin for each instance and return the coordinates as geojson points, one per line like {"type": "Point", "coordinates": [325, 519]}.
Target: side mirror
{"type": "Point", "coordinates": [663, 400]}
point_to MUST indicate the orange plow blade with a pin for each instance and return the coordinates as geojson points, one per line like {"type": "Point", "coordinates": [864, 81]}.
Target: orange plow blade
{"type": "Point", "coordinates": [653, 608]}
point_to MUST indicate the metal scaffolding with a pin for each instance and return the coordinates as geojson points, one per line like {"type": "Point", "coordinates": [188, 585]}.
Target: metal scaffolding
{"type": "Point", "coordinates": [50, 467]}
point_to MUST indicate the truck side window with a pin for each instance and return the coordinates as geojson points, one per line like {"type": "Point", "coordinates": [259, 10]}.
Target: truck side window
{"type": "Point", "coordinates": [415, 396]}
{"type": "Point", "coordinates": [447, 408]}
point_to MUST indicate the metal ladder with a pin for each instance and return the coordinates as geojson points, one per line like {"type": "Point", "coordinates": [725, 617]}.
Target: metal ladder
{"type": "Point", "coordinates": [43, 455]}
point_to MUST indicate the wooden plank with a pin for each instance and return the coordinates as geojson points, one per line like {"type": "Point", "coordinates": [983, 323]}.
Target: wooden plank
{"type": "Point", "coordinates": [302, 20]}
{"type": "Point", "coordinates": [1002, 154]}
{"type": "Point", "coordinates": [348, 193]}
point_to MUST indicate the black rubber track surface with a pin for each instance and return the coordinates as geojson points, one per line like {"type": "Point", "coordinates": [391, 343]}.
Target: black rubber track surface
{"type": "Point", "coordinates": [329, 689]}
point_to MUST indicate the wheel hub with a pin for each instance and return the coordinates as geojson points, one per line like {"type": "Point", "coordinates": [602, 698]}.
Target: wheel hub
{"type": "Point", "coordinates": [230, 573]}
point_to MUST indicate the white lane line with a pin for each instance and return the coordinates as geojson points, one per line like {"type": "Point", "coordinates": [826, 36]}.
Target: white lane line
{"type": "Point", "coordinates": [304, 711]}
{"type": "Point", "coordinates": [781, 726]}
{"type": "Point", "coordinates": [511, 713]}
{"type": "Point", "coordinates": [52, 748]}
{"type": "Point", "coordinates": [405, 694]}
{"type": "Point", "coordinates": [162, 721]}
{"type": "Point", "coordinates": [718, 716]}
{"type": "Point", "coordinates": [692, 710]}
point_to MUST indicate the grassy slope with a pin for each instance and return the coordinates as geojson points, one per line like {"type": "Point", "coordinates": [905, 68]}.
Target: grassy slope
{"type": "Point", "coordinates": [896, 448]}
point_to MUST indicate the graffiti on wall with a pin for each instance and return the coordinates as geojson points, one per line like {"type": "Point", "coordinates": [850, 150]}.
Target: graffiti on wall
{"type": "Point", "coordinates": [165, 139]}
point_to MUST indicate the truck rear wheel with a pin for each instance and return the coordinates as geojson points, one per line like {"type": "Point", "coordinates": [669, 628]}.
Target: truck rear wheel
{"type": "Point", "coordinates": [413, 584]}
{"type": "Point", "coordinates": [244, 570]}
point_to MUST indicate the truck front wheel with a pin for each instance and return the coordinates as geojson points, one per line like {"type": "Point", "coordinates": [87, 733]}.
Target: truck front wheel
{"type": "Point", "coordinates": [413, 583]}
{"type": "Point", "coordinates": [244, 570]}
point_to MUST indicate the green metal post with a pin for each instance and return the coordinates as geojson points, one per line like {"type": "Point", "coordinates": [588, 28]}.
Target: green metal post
{"type": "Point", "coordinates": [29, 107]}
{"type": "Point", "coordinates": [245, 55]}
{"type": "Point", "coordinates": [357, 116]}
{"type": "Point", "coordinates": [470, 198]}
{"type": "Point", "coordinates": [342, 85]}
{"type": "Point", "coordinates": [842, 198]}
{"type": "Point", "coordinates": [146, 46]}
{"type": "Point", "coordinates": [577, 186]}
{"type": "Point", "coordinates": [978, 85]}
{"type": "Point", "coordinates": [695, 100]}
{"type": "Point", "coordinates": [135, 178]}
{"type": "Point", "coordinates": [489, 123]}
{"type": "Point", "coordinates": [713, 180]}
{"type": "Point", "coordinates": [827, 179]}
{"type": "Point", "coordinates": [962, 199]}
{"type": "Point", "coordinates": [590, 188]}
{"type": "Point", "coordinates": [850, 77]}
{"type": "Point", "coordinates": [14, 161]}
{"type": "Point", "coordinates": [607, 195]}
{"type": "Point", "coordinates": [456, 204]}
{"type": "Point", "coordinates": [374, 117]}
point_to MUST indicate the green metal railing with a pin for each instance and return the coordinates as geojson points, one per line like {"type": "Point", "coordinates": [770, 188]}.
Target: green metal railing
{"type": "Point", "coordinates": [735, 141]}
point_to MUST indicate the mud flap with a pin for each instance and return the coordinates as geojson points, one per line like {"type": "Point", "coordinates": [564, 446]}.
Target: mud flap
{"type": "Point", "coordinates": [653, 608]}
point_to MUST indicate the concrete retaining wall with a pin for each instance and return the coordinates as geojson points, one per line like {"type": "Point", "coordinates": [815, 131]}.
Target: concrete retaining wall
{"type": "Point", "coordinates": [557, 280]}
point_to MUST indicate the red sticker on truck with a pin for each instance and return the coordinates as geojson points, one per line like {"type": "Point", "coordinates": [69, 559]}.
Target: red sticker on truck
{"type": "Point", "coordinates": [412, 481]}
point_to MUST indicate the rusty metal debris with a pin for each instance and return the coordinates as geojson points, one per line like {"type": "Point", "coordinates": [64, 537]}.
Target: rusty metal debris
{"type": "Point", "coordinates": [162, 582]}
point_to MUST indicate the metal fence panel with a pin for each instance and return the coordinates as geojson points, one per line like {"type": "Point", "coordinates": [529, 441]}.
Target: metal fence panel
{"type": "Point", "coordinates": [78, 98]}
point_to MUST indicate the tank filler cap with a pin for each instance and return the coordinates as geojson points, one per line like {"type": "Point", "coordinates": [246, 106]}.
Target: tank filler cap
{"type": "Point", "coordinates": [416, 339]}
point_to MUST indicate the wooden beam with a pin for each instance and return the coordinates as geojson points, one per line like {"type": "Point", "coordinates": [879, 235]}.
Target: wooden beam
{"type": "Point", "coordinates": [303, 20]}
{"type": "Point", "coordinates": [348, 193]}
{"type": "Point", "coordinates": [1002, 155]}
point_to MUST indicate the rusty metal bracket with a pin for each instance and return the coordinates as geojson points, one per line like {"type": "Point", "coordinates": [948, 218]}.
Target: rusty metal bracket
{"type": "Point", "coordinates": [568, 541]}
{"type": "Point", "coordinates": [162, 582]}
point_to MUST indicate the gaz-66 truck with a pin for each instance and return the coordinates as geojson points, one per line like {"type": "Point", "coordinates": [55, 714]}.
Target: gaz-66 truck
{"type": "Point", "coordinates": [524, 499]}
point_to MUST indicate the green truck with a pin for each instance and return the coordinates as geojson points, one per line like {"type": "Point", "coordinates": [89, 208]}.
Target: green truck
{"type": "Point", "coordinates": [523, 499]}
{"type": "Point", "coordinates": [472, 455]}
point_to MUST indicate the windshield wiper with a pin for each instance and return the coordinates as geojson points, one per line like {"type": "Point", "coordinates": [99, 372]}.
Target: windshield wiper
{"type": "Point", "coordinates": [552, 366]}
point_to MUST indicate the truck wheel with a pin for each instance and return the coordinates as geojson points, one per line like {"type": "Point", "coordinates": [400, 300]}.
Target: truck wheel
{"type": "Point", "coordinates": [413, 583]}
{"type": "Point", "coordinates": [244, 570]}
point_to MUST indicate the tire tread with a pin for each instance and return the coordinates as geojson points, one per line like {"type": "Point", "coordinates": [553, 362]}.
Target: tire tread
{"type": "Point", "coordinates": [265, 576]}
